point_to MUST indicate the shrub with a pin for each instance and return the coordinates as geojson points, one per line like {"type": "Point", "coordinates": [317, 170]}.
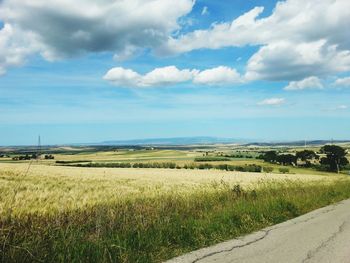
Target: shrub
{"type": "Point", "coordinates": [211, 159]}
{"type": "Point", "coordinates": [283, 170]}
{"type": "Point", "coordinates": [205, 166]}
{"type": "Point", "coordinates": [191, 166]}
{"type": "Point", "coordinates": [239, 168]}
{"type": "Point", "coordinates": [252, 168]}
{"type": "Point", "coordinates": [267, 169]}
{"type": "Point", "coordinates": [221, 167]}
{"type": "Point", "coordinates": [231, 167]}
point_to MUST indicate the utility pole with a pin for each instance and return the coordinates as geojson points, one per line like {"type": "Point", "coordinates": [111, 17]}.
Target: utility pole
{"type": "Point", "coordinates": [39, 148]}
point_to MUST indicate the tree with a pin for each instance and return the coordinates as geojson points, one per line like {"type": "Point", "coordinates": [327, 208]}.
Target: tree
{"type": "Point", "coordinates": [306, 156]}
{"type": "Point", "coordinates": [335, 157]}
{"type": "Point", "coordinates": [270, 156]}
{"type": "Point", "coordinates": [49, 157]}
{"type": "Point", "coordinates": [286, 159]}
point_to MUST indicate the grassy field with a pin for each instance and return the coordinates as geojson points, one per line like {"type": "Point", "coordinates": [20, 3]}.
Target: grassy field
{"type": "Point", "coordinates": [180, 157]}
{"type": "Point", "coordinates": [69, 214]}
{"type": "Point", "coordinates": [51, 212]}
{"type": "Point", "coordinates": [50, 189]}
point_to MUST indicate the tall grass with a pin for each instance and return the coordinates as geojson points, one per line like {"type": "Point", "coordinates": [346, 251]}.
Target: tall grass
{"type": "Point", "coordinates": [152, 228]}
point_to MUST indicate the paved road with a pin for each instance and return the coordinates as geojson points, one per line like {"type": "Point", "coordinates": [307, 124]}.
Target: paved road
{"type": "Point", "coordinates": [320, 236]}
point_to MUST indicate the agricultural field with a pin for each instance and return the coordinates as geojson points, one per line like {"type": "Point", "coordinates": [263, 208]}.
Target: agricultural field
{"type": "Point", "coordinates": [50, 189]}
{"type": "Point", "coordinates": [55, 211]}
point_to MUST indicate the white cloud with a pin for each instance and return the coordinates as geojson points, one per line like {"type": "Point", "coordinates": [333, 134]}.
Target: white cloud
{"type": "Point", "coordinates": [218, 36]}
{"type": "Point", "coordinates": [167, 76]}
{"type": "Point", "coordinates": [291, 61]}
{"type": "Point", "coordinates": [171, 75]}
{"type": "Point", "coordinates": [272, 102]}
{"type": "Point", "coordinates": [297, 40]}
{"type": "Point", "coordinates": [217, 76]}
{"type": "Point", "coordinates": [64, 28]}
{"type": "Point", "coordinates": [205, 11]}
{"type": "Point", "coordinates": [341, 107]}
{"type": "Point", "coordinates": [15, 46]}
{"type": "Point", "coordinates": [122, 77]}
{"type": "Point", "coordinates": [158, 77]}
{"type": "Point", "coordinates": [292, 20]}
{"type": "Point", "coordinates": [307, 83]}
{"type": "Point", "coordinates": [342, 82]}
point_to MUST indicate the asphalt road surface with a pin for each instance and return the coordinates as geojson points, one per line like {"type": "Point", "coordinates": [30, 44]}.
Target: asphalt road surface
{"type": "Point", "coordinates": [320, 236]}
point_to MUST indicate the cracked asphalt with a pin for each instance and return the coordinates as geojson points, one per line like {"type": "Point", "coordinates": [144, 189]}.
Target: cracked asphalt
{"type": "Point", "coordinates": [320, 236]}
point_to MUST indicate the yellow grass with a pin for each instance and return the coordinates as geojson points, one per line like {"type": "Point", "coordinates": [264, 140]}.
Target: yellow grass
{"type": "Point", "coordinates": [50, 189]}
{"type": "Point", "coordinates": [126, 155]}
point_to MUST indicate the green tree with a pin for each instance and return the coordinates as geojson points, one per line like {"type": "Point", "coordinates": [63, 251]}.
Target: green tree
{"type": "Point", "coordinates": [270, 156]}
{"type": "Point", "coordinates": [287, 159]}
{"type": "Point", "coordinates": [335, 157]}
{"type": "Point", "coordinates": [306, 156]}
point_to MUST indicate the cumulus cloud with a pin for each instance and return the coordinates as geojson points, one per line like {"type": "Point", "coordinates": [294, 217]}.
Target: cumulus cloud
{"type": "Point", "coordinates": [15, 46]}
{"type": "Point", "coordinates": [290, 61]}
{"type": "Point", "coordinates": [217, 76]}
{"type": "Point", "coordinates": [167, 76]}
{"type": "Point", "coordinates": [307, 83]}
{"type": "Point", "coordinates": [297, 40]}
{"type": "Point", "coordinates": [158, 77]}
{"type": "Point", "coordinates": [272, 102]}
{"type": "Point", "coordinates": [342, 82]}
{"type": "Point", "coordinates": [171, 75]}
{"type": "Point", "coordinates": [122, 77]}
{"type": "Point", "coordinates": [291, 20]}
{"type": "Point", "coordinates": [63, 28]}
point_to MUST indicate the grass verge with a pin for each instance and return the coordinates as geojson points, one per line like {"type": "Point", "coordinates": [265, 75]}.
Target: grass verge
{"type": "Point", "coordinates": [152, 229]}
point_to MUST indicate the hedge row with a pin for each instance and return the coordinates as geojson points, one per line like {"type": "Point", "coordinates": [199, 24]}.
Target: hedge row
{"type": "Point", "coordinates": [170, 165]}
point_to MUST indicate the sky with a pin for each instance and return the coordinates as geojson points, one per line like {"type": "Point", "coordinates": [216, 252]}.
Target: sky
{"type": "Point", "coordinates": [97, 70]}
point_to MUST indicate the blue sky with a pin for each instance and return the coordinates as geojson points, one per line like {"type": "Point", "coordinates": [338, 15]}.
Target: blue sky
{"type": "Point", "coordinates": [206, 68]}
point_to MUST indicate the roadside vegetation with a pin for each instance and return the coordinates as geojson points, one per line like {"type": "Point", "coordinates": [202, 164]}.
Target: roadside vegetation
{"type": "Point", "coordinates": [147, 225]}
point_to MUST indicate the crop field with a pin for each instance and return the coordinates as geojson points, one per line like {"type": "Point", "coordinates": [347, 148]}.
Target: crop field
{"type": "Point", "coordinates": [61, 213]}
{"type": "Point", "coordinates": [50, 189]}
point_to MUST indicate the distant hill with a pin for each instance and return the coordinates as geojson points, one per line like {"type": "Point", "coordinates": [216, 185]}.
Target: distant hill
{"type": "Point", "coordinates": [203, 140]}
{"type": "Point", "coordinates": [297, 143]}
{"type": "Point", "coordinates": [174, 141]}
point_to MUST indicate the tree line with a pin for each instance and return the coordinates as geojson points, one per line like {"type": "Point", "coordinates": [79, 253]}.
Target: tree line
{"type": "Point", "coordinates": [171, 165]}
{"type": "Point", "coordinates": [32, 157]}
{"type": "Point", "coordinates": [334, 158]}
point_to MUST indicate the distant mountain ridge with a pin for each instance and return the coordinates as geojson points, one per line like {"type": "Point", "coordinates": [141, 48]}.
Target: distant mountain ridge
{"type": "Point", "coordinates": [297, 143]}
{"type": "Point", "coordinates": [175, 141]}
{"type": "Point", "coordinates": [202, 140]}
{"type": "Point", "coordinates": [188, 141]}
